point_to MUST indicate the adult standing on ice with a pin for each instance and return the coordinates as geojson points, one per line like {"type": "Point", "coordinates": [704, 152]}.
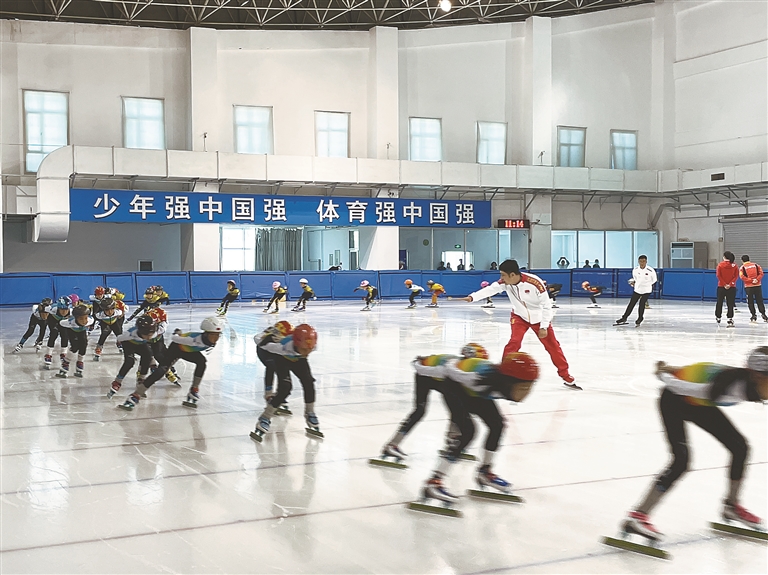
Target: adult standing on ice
{"type": "Point", "coordinates": [643, 278]}
{"type": "Point", "coordinates": [531, 309]}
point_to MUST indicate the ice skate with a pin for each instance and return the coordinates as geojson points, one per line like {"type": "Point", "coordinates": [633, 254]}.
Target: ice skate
{"type": "Point", "coordinates": [492, 487]}
{"type": "Point", "coordinates": [435, 490]}
{"type": "Point", "coordinates": [753, 319]}
{"type": "Point", "coordinates": [265, 310]}
{"type": "Point", "coordinates": [47, 361]}
{"type": "Point", "coordinates": [432, 305]}
{"type": "Point", "coordinates": [620, 321]}
{"type": "Point", "coordinates": [171, 376]}
{"type": "Point", "coordinates": [283, 410]}
{"type": "Point", "coordinates": [730, 323]}
{"type": "Point", "coordinates": [97, 354]}
{"type": "Point", "coordinates": [64, 371]}
{"type": "Point", "coordinates": [411, 306]}
{"type": "Point", "coordinates": [765, 318]}
{"type": "Point", "coordinates": [276, 310]}
{"type": "Point", "coordinates": [119, 349]}
{"type": "Point", "coordinates": [488, 306]}
{"type": "Point", "coordinates": [568, 381]}
{"type": "Point", "coordinates": [639, 524]}
{"type": "Point", "coordinates": [129, 403]}
{"type": "Point", "coordinates": [262, 428]}
{"type": "Point", "coordinates": [298, 308]}
{"type": "Point", "coordinates": [114, 388]}
{"type": "Point", "coordinates": [717, 319]}
{"type": "Point", "coordinates": [221, 311]}
{"type": "Point", "coordinates": [638, 321]}
{"type": "Point", "coordinates": [79, 369]}
{"type": "Point", "coordinates": [366, 308]}
{"type": "Point", "coordinates": [463, 456]}
{"type": "Point", "coordinates": [555, 306]}
{"type": "Point", "coordinates": [18, 348]}
{"type": "Point", "coordinates": [734, 514]}
{"type": "Point", "coordinates": [313, 425]}
{"type": "Point", "coordinates": [192, 398]}
{"type": "Point", "coordinates": [593, 306]}
{"type": "Point", "coordinates": [391, 456]}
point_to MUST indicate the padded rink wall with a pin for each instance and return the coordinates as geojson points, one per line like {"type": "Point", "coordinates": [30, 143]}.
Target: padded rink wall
{"type": "Point", "coordinates": [17, 289]}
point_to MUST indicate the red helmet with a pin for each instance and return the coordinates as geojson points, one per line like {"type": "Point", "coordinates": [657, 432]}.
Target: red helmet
{"type": "Point", "coordinates": [304, 339]}
{"type": "Point", "coordinates": [474, 350]}
{"type": "Point", "coordinates": [283, 328]}
{"type": "Point", "coordinates": [158, 315]}
{"type": "Point", "coordinates": [99, 292]}
{"type": "Point", "coordinates": [520, 365]}
{"type": "Point", "coordinates": [584, 284]}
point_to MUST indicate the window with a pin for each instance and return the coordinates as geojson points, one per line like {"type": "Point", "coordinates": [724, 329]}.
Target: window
{"type": "Point", "coordinates": [426, 140]}
{"type": "Point", "coordinates": [618, 250]}
{"type": "Point", "coordinates": [46, 121]}
{"type": "Point", "coordinates": [238, 248]}
{"type": "Point", "coordinates": [563, 245]}
{"type": "Point", "coordinates": [647, 244]}
{"type": "Point", "coordinates": [570, 146]}
{"type": "Point", "coordinates": [143, 124]}
{"type": "Point", "coordinates": [623, 150]}
{"type": "Point", "coordinates": [253, 130]}
{"type": "Point", "coordinates": [614, 249]}
{"type": "Point", "coordinates": [332, 134]}
{"type": "Point", "coordinates": [491, 142]}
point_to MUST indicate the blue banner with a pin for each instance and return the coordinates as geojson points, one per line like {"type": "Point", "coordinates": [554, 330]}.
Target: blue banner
{"type": "Point", "coordinates": [190, 207]}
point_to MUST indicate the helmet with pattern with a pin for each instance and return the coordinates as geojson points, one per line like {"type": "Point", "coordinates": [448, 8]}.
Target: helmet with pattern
{"type": "Point", "coordinates": [304, 339]}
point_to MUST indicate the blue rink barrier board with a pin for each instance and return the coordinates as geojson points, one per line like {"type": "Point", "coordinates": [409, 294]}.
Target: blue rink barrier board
{"type": "Point", "coordinates": [27, 288]}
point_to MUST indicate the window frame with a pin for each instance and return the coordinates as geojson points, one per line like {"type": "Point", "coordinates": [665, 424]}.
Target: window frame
{"type": "Point", "coordinates": [349, 132]}
{"type": "Point", "coordinates": [410, 138]}
{"type": "Point", "coordinates": [271, 128]}
{"type": "Point", "coordinates": [244, 249]}
{"type": "Point", "coordinates": [125, 117]}
{"type": "Point", "coordinates": [584, 153]}
{"type": "Point", "coordinates": [611, 148]}
{"type": "Point", "coordinates": [478, 139]}
{"type": "Point", "coordinates": [25, 149]}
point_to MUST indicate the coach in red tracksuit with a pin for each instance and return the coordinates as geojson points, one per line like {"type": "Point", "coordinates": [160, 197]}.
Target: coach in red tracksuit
{"type": "Point", "coordinates": [531, 309]}
{"type": "Point", "coordinates": [752, 276]}
{"type": "Point", "coordinates": [727, 274]}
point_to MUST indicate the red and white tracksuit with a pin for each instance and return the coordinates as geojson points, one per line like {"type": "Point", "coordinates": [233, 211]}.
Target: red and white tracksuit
{"type": "Point", "coordinates": [531, 309]}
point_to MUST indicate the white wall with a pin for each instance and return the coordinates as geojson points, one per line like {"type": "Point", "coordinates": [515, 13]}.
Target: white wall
{"type": "Point", "coordinates": [95, 247]}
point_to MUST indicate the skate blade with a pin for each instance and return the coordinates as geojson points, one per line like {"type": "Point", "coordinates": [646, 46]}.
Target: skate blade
{"type": "Point", "coordinates": [387, 463]}
{"type": "Point", "coordinates": [281, 411]}
{"type": "Point", "coordinates": [736, 530]}
{"type": "Point", "coordinates": [189, 404]}
{"type": "Point", "coordinates": [573, 386]}
{"type": "Point", "coordinates": [256, 437]}
{"type": "Point", "coordinates": [636, 547]}
{"type": "Point", "coordinates": [462, 456]}
{"type": "Point", "coordinates": [314, 433]}
{"type": "Point", "coordinates": [480, 494]}
{"type": "Point", "coordinates": [125, 407]}
{"type": "Point", "coordinates": [437, 510]}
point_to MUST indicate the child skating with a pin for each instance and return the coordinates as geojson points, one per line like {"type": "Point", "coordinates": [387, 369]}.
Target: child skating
{"type": "Point", "coordinates": [695, 393]}
{"type": "Point", "coordinates": [38, 319]}
{"type": "Point", "coordinates": [415, 291]}
{"type": "Point", "coordinates": [437, 290]}
{"type": "Point", "coordinates": [306, 294]}
{"type": "Point", "coordinates": [137, 341]}
{"type": "Point", "coordinates": [593, 291]}
{"type": "Point", "coordinates": [290, 356]}
{"type": "Point", "coordinates": [111, 319]}
{"type": "Point", "coordinates": [59, 311]}
{"type": "Point", "coordinates": [280, 295]}
{"type": "Point", "coordinates": [273, 334]}
{"type": "Point", "coordinates": [76, 327]}
{"type": "Point", "coordinates": [371, 292]}
{"type": "Point", "coordinates": [553, 290]}
{"type": "Point", "coordinates": [489, 300]}
{"type": "Point", "coordinates": [232, 294]}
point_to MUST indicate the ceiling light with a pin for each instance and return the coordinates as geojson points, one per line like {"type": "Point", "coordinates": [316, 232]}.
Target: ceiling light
{"type": "Point", "coordinates": [445, 5]}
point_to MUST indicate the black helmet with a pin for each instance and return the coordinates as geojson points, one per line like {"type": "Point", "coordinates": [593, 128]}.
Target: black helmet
{"type": "Point", "coordinates": [107, 303]}
{"type": "Point", "coordinates": [45, 302]}
{"type": "Point", "coordinates": [150, 290]}
{"type": "Point", "coordinates": [145, 325]}
{"type": "Point", "coordinates": [81, 310]}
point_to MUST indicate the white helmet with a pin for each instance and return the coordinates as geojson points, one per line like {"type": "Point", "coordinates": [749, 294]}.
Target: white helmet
{"type": "Point", "coordinates": [364, 283]}
{"type": "Point", "coordinates": [275, 285]}
{"type": "Point", "coordinates": [758, 359]}
{"type": "Point", "coordinates": [303, 281]}
{"type": "Point", "coordinates": [213, 324]}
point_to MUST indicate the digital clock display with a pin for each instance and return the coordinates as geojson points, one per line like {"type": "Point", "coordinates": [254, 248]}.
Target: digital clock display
{"type": "Point", "coordinates": [514, 224]}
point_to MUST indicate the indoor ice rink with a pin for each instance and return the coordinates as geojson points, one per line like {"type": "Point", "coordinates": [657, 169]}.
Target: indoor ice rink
{"type": "Point", "coordinates": [193, 158]}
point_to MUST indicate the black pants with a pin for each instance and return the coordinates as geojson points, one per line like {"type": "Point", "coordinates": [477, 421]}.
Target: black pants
{"type": "Point", "coordinates": [422, 386]}
{"type": "Point", "coordinates": [729, 295]}
{"type": "Point", "coordinates": [106, 329]}
{"type": "Point", "coordinates": [78, 341]}
{"type": "Point", "coordinates": [371, 296]}
{"type": "Point", "coordinates": [173, 354]}
{"type": "Point", "coordinates": [486, 410]}
{"type": "Point", "coordinates": [55, 331]}
{"type": "Point", "coordinates": [35, 322]}
{"type": "Point", "coordinates": [599, 292]}
{"type": "Point", "coordinates": [675, 411]}
{"type": "Point", "coordinates": [283, 369]}
{"type": "Point", "coordinates": [268, 359]}
{"type": "Point", "coordinates": [228, 299]}
{"type": "Point", "coordinates": [412, 297]}
{"type": "Point", "coordinates": [130, 351]}
{"type": "Point", "coordinates": [642, 298]}
{"type": "Point", "coordinates": [303, 298]}
{"type": "Point", "coordinates": [755, 295]}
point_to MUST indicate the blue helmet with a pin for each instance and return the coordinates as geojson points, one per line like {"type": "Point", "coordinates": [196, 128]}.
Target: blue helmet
{"type": "Point", "coordinates": [64, 301]}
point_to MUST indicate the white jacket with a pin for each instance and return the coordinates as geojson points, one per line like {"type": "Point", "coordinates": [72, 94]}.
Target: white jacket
{"type": "Point", "coordinates": [529, 298]}
{"type": "Point", "coordinates": [644, 279]}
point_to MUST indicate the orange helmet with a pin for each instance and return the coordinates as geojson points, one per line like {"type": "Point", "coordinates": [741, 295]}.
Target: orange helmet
{"type": "Point", "coordinates": [520, 366]}
{"type": "Point", "coordinates": [158, 315]}
{"type": "Point", "coordinates": [99, 292]}
{"type": "Point", "coordinates": [304, 339]}
{"type": "Point", "coordinates": [409, 283]}
{"type": "Point", "coordinates": [284, 328]}
{"type": "Point", "coordinates": [474, 350]}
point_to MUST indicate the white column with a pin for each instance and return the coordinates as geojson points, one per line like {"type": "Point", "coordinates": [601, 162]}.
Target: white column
{"type": "Point", "coordinates": [540, 214]}
{"type": "Point", "coordinates": [203, 91]}
{"type": "Point", "coordinates": [379, 247]}
{"type": "Point", "coordinates": [539, 131]}
{"type": "Point", "coordinates": [200, 247]}
{"type": "Point", "coordinates": [661, 146]}
{"type": "Point", "coordinates": [383, 104]}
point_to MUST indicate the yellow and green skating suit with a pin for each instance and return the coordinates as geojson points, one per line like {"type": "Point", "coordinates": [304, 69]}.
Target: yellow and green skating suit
{"type": "Point", "coordinates": [693, 383]}
{"type": "Point", "coordinates": [433, 366]}
{"type": "Point", "coordinates": [477, 376]}
{"type": "Point", "coordinates": [233, 291]}
{"type": "Point", "coordinates": [190, 341]}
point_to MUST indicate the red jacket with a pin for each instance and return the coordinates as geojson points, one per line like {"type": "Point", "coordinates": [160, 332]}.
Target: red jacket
{"type": "Point", "coordinates": [727, 274]}
{"type": "Point", "coordinates": [751, 274]}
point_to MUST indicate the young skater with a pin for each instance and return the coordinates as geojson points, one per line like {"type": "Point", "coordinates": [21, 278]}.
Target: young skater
{"type": "Point", "coordinates": [415, 290]}
{"type": "Point", "coordinates": [437, 290]}
{"type": "Point", "coordinates": [752, 276]}
{"type": "Point", "coordinates": [531, 309]}
{"type": "Point", "coordinates": [38, 319]}
{"type": "Point", "coordinates": [111, 321]}
{"type": "Point", "coordinates": [593, 291]}
{"type": "Point", "coordinates": [189, 347]}
{"type": "Point", "coordinates": [370, 294]}
{"type": "Point", "coordinates": [477, 383]}
{"type": "Point", "coordinates": [429, 375]}
{"type": "Point", "coordinates": [290, 355]}
{"type": "Point", "coordinates": [553, 290]}
{"type": "Point", "coordinates": [306, 294]}
{"type": "Point", "coordinates": [695, 393]}
{"type": "Point", "coordinates": [489, 300]}
{"type": "Point", "coordinates": [727, 273]}
{"type": "Point", "coordinates": [643, 278]}
{"type": "Point", "coordinates": [59, 311]}
{"type": "Point", "coordinates": [137, 341]}
{"type": "Point", "coordinates": [161, 298]}
{"type": "Point", "coordinates": [232, 294]}
{"type": "Point", "coordinates": [273, 334]}
{"type": "Point", "coordinates": [151, 300]}
{"type": "Point", "coordinates": [280, 295]}
{"type": "Point", "coordinates": [77, 332]}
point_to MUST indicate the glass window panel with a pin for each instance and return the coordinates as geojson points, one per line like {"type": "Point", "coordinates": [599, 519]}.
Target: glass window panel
{"type": "Point", "coordinates": [426, 139]}
{"type": "Point", "coordinates": [491, 142]}
{"type": "Point", "coordinates": [46, 125]}
{"type": "Point", "coordinates": [571, 143]}
{"type": "Point", "coordinates": [564, 245]}
{"type": "Point", "coordinates": [618, 250]}
{"type": "Point", "coordinates": [232, 237]}
{"type": "Point", "coordinates": [253, 130]}
{"type": "Point", "coordinates": [647, 244]}
{"type": "Point", "coordinates": [332, 134]}
{"type": "Point", "coordinates": [232, 260]}
{"type": "Point", "coordinates": [143, 124]}
{"type": "Point", "coordinates": [591, 247]}
{"type": "Point", "coordinates": [623, 150]}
